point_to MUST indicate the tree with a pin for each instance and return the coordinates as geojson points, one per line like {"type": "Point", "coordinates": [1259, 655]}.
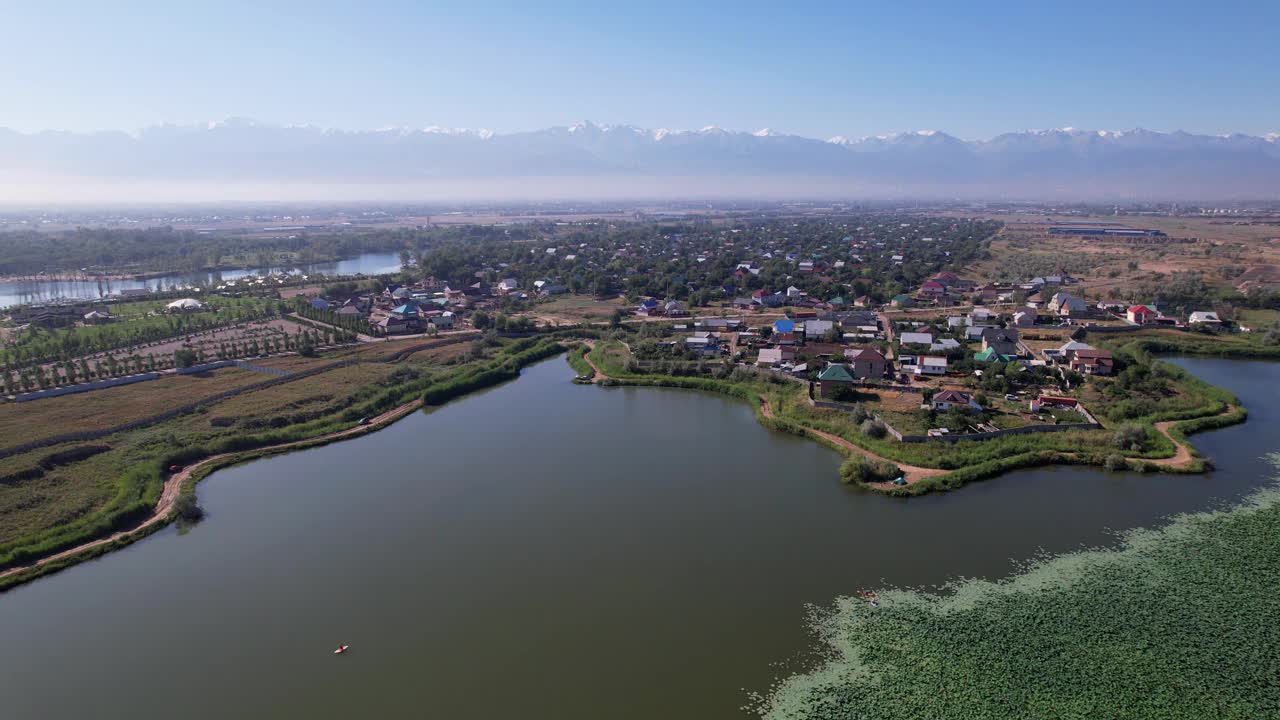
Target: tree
{"type": "Point", "coordinates": [184, 357]}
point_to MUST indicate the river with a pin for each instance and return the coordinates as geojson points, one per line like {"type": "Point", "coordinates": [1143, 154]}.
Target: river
{"type": "Point", "coordinates": [16, 292]}
{"type": "Point", "coordinates": [543, 550]}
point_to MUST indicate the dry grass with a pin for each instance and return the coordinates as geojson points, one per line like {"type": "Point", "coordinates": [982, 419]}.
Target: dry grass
{"type": "Point", "coordinates": [23, 422]}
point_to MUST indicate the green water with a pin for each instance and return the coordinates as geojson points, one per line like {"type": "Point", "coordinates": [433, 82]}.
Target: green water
{"type": "Point", "coordinates": [541, 550]}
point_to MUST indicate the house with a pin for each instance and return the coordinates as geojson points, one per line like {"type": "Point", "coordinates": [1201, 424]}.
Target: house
{"type": "Point", "coordinates": [1141, 315]}
{"type": "Point", "coordinates": [944, 345]}
{"type": "Point", "coordinates": [980, 316]}
{"type": "Point", "coordinates": [675, 308]}
{"type": "Point", "coordinates": [1025, 318]}
{"type": "Point", "coordinates": [1069, 350]}
{"type": "Point", "coordinates": [1204, 319]}
{"type": "Point", "coordinates": [987, 293]}
{"type": "Point", "coordinates": [1093, 362]}
{"type": "Point", "coordinates": [348, 311]}
{"type": "Point", "coordinates": [784, 326]}
{"type": "Point", "coordinates": [862, 301]}
{"type": "Point", "coordinates": [794, 292]}
{"type": "Point", "coordinates": [817, 328]}
{"type": "Point", "coordinates": [902, 301]}
{"type": "Point", "coordinates": [648, 308]}
{"type": "Point", "coordinates": [786, 338]}
{"type": "Point", "coordinates": [1066, 304]}
{"type": "Point", "coordinates": [1035, 301]}
{"type": "Point", "coordinates": [720, 324]}
{"type": "Point", "coordinates": [507, 285]}
{"type": "Point", "coordinates": [97, 317]}
{"type": "Point", "coordinates": [932, 290]}
{"type": "Point", "coordinates": [704, 342]}
{"type": "Point", "coordinates": [444, 321]}
{"type": "Point", "coordinates": [915, 338]}
{"type": "Point", "coordinates": [554, 289]}
{"type": "Point", "coordinates": [837, 302]}
{"type": "Point", "coordinates": [931, 366]}
{"type": "Point", "coordinates": [743, 303]}
{"type": "Point", "coordinates": [832, 378]}
{"type": "Point", "coordinates": [990, 355]}
{"type": "Point", "coordinates": [392, 325]}
{"type": "Point", "coordinates": [805, 266]}
{"type": "Point", "coordinates": [1003, 341]}
{"type": "Point", "coordinates": [866, 363]}
{"type": "Point", "coordinates": [946, 279]}
{"type": "Point", "coordinates": [769, 357]}
{"type": "Point", "coordinates": [1115, 306]}
{"type": "Point", "coordinates": [954, 399]}
{"type": "Point", "coordinates": [319, 304]}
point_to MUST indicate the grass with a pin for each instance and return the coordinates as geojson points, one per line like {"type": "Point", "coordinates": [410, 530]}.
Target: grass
{"type": "Point", "coordinates": [114, 489]}
{"type": "Point", "coordinates": [1178, 623]}
{"type": "Point", "coordinates": [23, 422]}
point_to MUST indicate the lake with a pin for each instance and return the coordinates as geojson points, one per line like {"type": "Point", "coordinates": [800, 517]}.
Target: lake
{"type": "Point", "coordinates": [22, 291]}
{"type": "Point", "coordinates": [543, 550]}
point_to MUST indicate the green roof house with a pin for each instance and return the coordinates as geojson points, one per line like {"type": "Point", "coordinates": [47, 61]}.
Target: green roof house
{"type": "Point", "coordinates": [832, 377]}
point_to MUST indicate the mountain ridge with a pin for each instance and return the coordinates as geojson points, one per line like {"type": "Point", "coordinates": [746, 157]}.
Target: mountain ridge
{"type": "Point", "coordinates": [1040, 164]}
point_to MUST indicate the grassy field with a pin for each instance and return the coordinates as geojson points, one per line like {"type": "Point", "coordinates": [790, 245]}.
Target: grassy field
{"type": "Point", "coordinates": [1179, 623]}
{"type": "Point", "coordinates": [48, 505]}
{"type": "Point", "coordinates": [24, 422]}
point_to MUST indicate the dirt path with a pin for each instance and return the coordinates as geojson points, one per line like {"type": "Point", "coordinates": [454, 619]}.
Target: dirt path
{"type": "Point", "coordinates": [911, 473]}
{"type": "Point", "coordinates": [587, 356]}
{"type": "Point", "coordinates": [173, 487]}
{"type": "Point", "coordinates": [1183, 456]}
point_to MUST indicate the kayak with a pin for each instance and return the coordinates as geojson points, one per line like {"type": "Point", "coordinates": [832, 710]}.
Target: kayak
{"type": "Point", "coordinates": [341, 649]}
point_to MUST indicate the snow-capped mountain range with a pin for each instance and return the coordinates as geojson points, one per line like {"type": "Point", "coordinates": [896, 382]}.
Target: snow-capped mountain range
{"type": "Point", "coordinates": [1034, 164]}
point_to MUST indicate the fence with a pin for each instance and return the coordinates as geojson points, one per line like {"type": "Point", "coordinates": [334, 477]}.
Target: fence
{"type": "Point", "coordinates": [160, 417]}
{"type": "Point", "coordinates": [86, 387]}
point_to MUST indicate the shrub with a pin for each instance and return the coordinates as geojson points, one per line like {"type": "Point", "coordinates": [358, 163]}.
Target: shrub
{"type": "Point", "coordinates": [1116, 462]}
{"type": "Point", "coordinates": [1130, 437]}
{"type": "Point", "coordinates": [873, 428]}
{"type": "Point", "coordinates": [861, 469]}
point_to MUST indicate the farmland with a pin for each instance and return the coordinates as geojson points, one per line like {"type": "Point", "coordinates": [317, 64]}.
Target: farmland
{"type": "Point", "coordinates": [1180, 622]}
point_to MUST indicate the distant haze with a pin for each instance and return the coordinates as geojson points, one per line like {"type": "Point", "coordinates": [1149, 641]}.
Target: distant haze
{"type": "Point", "coordinates": [240, 160]}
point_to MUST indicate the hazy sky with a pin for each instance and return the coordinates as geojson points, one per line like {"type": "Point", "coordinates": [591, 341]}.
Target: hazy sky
{"type": "Point", "coordinates": [973, 69]}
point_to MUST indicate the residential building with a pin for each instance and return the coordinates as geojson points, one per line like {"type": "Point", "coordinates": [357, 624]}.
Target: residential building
{"type": "Point", "coordinates": [1141, 315]}
{"type": "Point", "coordinates": [866, 363]}
{"type": "Point", "coordinates": [1204, 319]}
{"type": "Point", "coordinates": [833, 377]}
{"type": "Point", "coordinates": [952, 399]}
{"type": "Point", "coordinates": [1093, 362]}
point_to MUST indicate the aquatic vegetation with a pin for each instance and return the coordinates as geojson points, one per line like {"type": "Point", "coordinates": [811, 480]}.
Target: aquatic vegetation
{"type": "Point", "coordinates": [1177, 623]}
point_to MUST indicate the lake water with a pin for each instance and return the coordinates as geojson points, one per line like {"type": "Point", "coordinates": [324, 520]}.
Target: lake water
{"type": "Point", "coordinates": [542, 550]}
{"type": "Point", "coordinates": [20, 292]}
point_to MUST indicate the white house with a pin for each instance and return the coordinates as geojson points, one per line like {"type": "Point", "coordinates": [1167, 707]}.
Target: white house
{"type": "Point", "coordinates": [915, 338]}
{"type": "Point", "coordinates": [1204, 318]}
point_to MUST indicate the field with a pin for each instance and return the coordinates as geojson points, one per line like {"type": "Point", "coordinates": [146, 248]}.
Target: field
{"type": "Point", "coordinates": [570, 309]}
{"type": "Point", "coordinates": [23, 422]}
{"type": "Point", "coordinates": [1179, 623]}
{"type": "Point", "coordinates": [1228, 254]}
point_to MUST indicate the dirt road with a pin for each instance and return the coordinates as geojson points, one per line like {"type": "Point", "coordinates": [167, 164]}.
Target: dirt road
{"type": "Point", "coordinates": [910, 472]}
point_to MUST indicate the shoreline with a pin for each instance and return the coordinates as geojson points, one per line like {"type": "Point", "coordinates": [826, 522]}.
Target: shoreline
{"type": "Point", "coordinates": [1185, 459]}
{"type": "Point", "coordinates": [175, 486]}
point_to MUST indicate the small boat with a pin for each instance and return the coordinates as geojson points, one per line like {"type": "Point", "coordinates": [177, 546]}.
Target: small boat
{"type": "Point", "coordinates": [341, 649]}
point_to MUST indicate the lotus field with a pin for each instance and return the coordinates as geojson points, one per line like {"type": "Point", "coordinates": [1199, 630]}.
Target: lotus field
{"type": "Point", "coordinates": [1180, 622]}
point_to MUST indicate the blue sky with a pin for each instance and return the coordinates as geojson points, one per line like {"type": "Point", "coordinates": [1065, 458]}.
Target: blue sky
{"type": "Point", "coordinates": [974, 69]}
